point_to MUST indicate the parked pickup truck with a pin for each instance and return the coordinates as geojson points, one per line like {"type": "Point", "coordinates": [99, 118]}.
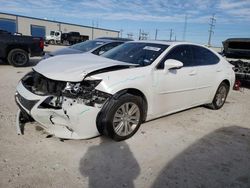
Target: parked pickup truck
{"type": "Point", "coordinates": [16, 49]}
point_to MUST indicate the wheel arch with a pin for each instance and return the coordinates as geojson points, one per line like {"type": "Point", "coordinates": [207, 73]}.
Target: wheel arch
{"type": "Point", "coordinates": [136, 92]}
{"type": "Point", "coordinates": [101, 117]}
{"type": "Point", "coordinates": [12, 47]}
{"type": "Point", "coordinates": [226, 81]}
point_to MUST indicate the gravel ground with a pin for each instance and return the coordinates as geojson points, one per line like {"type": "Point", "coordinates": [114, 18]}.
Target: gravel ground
{"type": "Point", "coordinates": [194, 148]}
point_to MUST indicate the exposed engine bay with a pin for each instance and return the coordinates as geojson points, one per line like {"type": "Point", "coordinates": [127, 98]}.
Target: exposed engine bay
{"type": "Point", "coordinates": [241, 69]}
{"type": "Point", "coordinates": [81, 92]}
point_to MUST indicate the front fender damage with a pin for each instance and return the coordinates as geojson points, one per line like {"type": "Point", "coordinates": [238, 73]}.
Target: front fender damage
{"type": "Point", "coordinates": [66, 110]}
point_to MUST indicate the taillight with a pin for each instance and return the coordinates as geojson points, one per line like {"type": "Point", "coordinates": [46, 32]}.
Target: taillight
{"type": "Point", "coordinates": [41, 43]}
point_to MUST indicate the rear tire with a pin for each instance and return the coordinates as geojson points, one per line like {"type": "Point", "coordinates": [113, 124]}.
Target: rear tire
{"type": "Point", "coordinates": [18, 58]}
{"type": "Point", "coordinates": [220, 96]}
{"type": "Point", "coordinates": [121, 118]}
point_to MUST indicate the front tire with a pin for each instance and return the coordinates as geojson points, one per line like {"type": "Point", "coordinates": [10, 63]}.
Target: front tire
{"type": "Point", "coordinates": [121, 118]}
{"type": "Point", "coordinates": [220, 96]}
{"type": "Point", "coordinates": [18, 57]}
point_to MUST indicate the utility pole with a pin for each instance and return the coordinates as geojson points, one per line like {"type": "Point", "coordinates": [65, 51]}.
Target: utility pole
{"type": "Point", "coordinates": [97, 23]}
{"type": "Point", "coordinates": [143, 36]}
{"type": "Point", "coordinates": [185, 29]}
{"type": "Point", "coordinates": [156, 32]}
{"type": "Point", "coordinates": [212, 25]}
{"type": "Point", "coordinates": [121, 33]}
{"type": "Point", "coordinates": [130, 35]}
{"type": "Point", "coordinates": [92, 29]}
{"type": "Point", "coordinates": [171, 34]}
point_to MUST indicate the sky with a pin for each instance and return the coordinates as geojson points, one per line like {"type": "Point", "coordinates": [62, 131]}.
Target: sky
{"type": "Point", "coordinates": [130, 16]}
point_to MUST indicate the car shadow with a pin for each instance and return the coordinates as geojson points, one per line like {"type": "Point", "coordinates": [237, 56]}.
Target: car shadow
{"type": "Point", "coordinates": [109, 164]}
{"type": "Point", "coordinates": [220, 159]}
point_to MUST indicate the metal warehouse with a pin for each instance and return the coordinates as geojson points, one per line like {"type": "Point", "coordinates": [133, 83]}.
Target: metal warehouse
{"type": "Point", "coordinates": [42, 27]}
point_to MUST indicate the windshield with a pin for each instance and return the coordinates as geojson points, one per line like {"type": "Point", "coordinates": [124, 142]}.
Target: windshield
{"type": "Point", "coordinates": [139, 53]}
{"type": "Point", "coordinates": [87, 45]}
{"type": "Point", "coordinates": [52, 33]}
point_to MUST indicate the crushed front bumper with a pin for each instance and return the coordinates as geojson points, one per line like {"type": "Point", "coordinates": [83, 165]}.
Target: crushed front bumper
{"type": "Point", "coordinates": [74, 120]}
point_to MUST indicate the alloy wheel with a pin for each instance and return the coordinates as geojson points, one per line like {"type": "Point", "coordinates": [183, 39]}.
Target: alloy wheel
{"type": "Point", "coordinates": [126, 119]}
{"type": "Point", "coordinates": [221, 96]}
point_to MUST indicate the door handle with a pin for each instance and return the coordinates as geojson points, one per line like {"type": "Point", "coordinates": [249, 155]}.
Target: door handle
{"type": "Point", "coordinates": [219, 70]}
{"type": "Point", "coordinates": [193, 72]}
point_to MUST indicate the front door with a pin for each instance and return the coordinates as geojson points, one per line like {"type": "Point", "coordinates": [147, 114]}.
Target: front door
{"type": "Point", "coordinates": [175, 89]}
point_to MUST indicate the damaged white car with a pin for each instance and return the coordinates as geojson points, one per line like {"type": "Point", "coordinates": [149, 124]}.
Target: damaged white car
{"type": "Point", "coordinates": [82, 96]}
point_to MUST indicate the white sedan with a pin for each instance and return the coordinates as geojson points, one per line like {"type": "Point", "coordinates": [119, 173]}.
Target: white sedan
{"type": "Point", "coordinates": [82, 96]}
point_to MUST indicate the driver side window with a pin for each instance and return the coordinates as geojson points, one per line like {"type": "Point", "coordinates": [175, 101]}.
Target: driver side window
{"type": "Point", "coordinates": [181, 53]}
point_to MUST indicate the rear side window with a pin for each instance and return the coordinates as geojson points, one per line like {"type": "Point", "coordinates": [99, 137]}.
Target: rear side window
{"type": "Point", "coordinates": [106, 47]}
{"type": "Point", "coordinates": [181, 53]}
{"type": "Point", "coordinates": [203, 56]}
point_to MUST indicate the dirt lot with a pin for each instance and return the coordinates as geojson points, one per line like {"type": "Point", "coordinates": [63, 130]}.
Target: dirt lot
{"type": "Point", "coordinates": [194, 148]}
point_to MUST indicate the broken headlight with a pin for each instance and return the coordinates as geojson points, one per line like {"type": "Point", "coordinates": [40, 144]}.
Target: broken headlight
{"type": "Point", "coordinates": [40, 85]}
{"type": "Point", "coordinates": [86, 85]}
{"type": "Point", "coordinates": [86, 92]}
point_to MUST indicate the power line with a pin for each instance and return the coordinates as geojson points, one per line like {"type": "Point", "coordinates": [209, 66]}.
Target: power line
{"type": "Point", "coordinates": [212, 25]}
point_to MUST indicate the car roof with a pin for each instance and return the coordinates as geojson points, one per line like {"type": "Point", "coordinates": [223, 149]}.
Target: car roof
{"type": "Point", "coordinates": [113, 39]}
{"type": "Point", "coordinates": [237, 40]}
{"type": "Point", "coordinates": [166, 42]}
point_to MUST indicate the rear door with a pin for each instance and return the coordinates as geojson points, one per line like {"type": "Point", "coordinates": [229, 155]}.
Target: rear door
{"type": "Point", "coordinates": [208, 68]}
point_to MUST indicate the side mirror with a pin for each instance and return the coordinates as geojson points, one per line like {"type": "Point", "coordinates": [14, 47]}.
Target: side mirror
{"type": "Point", "coordinates": [172, 64]}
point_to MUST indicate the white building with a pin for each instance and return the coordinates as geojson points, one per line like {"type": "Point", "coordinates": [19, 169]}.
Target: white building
{"type": "Point", "coordinates": [42, 27]}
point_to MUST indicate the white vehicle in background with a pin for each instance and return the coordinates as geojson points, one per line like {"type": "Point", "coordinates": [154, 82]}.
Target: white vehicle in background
{"type": "Point", "coordinates": [54, 37]}
{"type": "Point", "coordinates": [81, 96]}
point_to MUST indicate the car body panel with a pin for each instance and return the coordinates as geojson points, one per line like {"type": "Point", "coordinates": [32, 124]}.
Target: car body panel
{"type": "Point", "coordinates": [74, 70]}
{"type": "Point", "coordinates": [168, 91]}
{"type": "Point", "coordinates": [65, 51]}
{"type": "Point", "coordinates": [57, 122]}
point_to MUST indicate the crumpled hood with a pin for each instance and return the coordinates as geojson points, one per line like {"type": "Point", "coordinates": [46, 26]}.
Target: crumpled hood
{"type": "Point", "coordinates": [75, 67]}
{"type": "Point", "coordinates": [65, 51]}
